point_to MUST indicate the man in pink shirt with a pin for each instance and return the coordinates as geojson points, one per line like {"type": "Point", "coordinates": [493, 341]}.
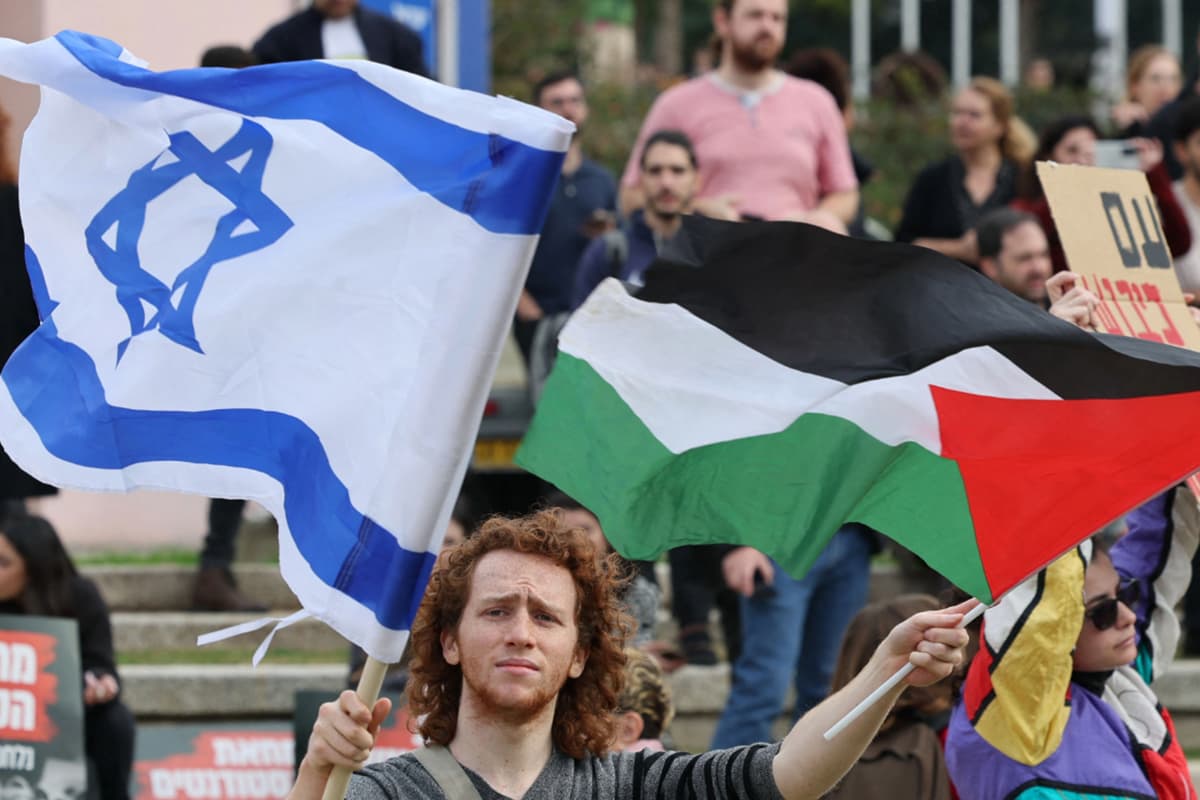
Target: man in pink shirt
{"type": "Point", "coordinates": [772, 146]}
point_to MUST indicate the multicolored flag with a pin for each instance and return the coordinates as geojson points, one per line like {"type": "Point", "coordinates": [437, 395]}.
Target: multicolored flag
{"type": "Point", "coordinates": [773, 381]}
{"type": "Point", "coordinates": [289, 283]}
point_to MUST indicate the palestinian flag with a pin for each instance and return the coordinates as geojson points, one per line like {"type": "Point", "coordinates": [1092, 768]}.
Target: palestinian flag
{"type": "Point", "coordinates": [773, 381]}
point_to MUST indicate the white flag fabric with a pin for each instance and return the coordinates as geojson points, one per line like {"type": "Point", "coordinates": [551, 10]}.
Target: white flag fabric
{"type": "Point", "coordinates": [288, 283]}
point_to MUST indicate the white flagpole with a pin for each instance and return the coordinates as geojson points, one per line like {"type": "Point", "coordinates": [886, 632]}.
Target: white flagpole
{"type": "Point", "coordinates": [890, 683]}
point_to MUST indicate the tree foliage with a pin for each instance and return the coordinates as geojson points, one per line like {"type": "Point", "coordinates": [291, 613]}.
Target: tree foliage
{"type": "Point", "coordinates": [531, 38]}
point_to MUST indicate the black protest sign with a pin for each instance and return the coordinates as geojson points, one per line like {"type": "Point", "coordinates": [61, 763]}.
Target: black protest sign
{"type": "Point", "coordinates": [41, 708]}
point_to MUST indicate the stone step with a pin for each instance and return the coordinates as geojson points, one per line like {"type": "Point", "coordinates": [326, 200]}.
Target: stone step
{"type": "Point", "coordinates": [168, 587]}
{"type": "Point", "coordinates": [157, 631]}
{"type": "Point", "coordinates": [226, 691]}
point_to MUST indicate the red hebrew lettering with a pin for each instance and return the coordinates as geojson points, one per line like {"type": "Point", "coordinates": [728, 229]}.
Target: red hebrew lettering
{"type": "Point", "coordinates": [1137, 304]}
{"type": "Point", "coordinates": [1126, 328]}
{"type": "Point", "coordinates": [1170, 333]}
{"type": "Point", "coordinates": [1108, 320]}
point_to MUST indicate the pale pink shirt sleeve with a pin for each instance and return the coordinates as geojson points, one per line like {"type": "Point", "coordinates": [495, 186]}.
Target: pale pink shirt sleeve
{"type": "Point", "coordinates": [835, 168]}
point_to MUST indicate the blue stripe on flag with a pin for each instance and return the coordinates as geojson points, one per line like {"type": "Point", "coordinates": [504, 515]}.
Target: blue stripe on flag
{"type": "Point", "coordinates": [495, 180]}
{"type": "Point", "coordinates": [52, 380]}
{"type": "Point", "coordinates": [37, 281]}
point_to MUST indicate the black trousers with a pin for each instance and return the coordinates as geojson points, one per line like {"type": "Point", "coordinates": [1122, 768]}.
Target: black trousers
{"type": "Point", "coordinates": [697, 585]}
{"type": "Point", "coordinates": [108, 734]}
{"type": "Point", "coordinates": [224, 518]}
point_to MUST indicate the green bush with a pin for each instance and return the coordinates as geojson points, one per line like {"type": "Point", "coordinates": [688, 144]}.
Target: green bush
{"type": "Point", "coordinates": [616, 117]}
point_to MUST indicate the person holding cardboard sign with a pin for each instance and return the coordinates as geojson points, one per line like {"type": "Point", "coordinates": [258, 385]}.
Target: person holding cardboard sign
{"type": "Point", "coordinates": [1072, 140]}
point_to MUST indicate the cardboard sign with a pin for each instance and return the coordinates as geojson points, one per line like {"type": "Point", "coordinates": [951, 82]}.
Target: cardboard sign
{"type": "Point", "coordinates": [41, 708]}
{"type": "Point", "coordinates": [1112, 236]}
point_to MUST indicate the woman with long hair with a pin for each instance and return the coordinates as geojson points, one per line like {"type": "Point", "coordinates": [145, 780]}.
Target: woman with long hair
{"type": "Point", "coordinates": [905, 759]}
{"type": "Point", "coordinates": [1072, 140]}
{"type": "Point", "coordinates": [1153, 78]}
{"type": "Point", "coordinates": [949, 196]}
{"type": "Point", "coordinates": [38, 577]}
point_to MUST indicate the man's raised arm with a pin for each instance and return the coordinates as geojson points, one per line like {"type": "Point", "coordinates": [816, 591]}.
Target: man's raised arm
{"type": "Point", "coordinates": [807, 765]}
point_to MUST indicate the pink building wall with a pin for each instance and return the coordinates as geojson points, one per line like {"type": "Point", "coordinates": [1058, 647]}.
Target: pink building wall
{"type": "Point", "coordinates": [169, 34]}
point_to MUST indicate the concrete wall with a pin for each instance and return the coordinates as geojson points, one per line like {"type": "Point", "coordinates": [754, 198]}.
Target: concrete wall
{"type": "Point", "coordinates": [169, 34]}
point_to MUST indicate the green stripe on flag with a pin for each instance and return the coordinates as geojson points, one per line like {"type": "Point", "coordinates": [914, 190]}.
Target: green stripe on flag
{"type": "Point", "coordinates": [783, 493]}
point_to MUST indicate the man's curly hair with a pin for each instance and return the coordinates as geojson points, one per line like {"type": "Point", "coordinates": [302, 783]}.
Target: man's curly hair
{"type": "Point", "coordinates": [583, 720]}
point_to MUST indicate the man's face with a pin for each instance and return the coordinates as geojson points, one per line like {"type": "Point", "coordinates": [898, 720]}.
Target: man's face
{"type": "Point", "coordinates": [566, 99]}
{"type": "Point", "coordinates": [1023, 265]}
{"type": "Point", "coordinates": [1188, 153]}
{"type": "Point", "coordinates": [668, 180]}
{"type": "Point", "coordinates": [755, 31]}
{"type": "Point", "coordinates": [517, 641]}
{"type": "Point", "coordinates": [335, 9]}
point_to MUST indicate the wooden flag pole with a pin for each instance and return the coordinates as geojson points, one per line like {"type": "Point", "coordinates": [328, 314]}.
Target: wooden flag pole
{"type": "Point", "coordinates": [888, 685]}
{"type": "Point", "coordinates": [368, 691]}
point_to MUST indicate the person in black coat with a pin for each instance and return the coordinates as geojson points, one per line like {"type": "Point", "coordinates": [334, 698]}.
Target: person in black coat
{"type": "Point", "coordinates": [38, 577]}
{"type": "Point", "coordinates": [18, 312]}
{"type": "Point", "coordinates": [949, 196]}
{"type": "Point", "coordinates": [342, 29]}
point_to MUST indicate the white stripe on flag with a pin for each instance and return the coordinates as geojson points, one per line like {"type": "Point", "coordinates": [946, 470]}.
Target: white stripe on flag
{"type": "Point", "coordinates": [262, 290]}
{"type": "Point", "coordinates": [694, 385]}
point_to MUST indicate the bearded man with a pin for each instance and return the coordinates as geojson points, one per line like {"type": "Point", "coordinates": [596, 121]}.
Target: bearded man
{"type": "Point", "coordinates": [773, 146]}
{"type": "Point", "coordinates": [516, 671]}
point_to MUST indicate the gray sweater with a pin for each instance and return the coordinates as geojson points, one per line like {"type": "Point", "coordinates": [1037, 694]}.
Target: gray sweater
{"type": "Point", "coordinates": [740, 773]}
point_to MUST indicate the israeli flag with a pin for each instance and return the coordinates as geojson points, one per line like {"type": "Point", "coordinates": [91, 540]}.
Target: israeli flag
{"type": "Point", "coordinates": [288, 283]}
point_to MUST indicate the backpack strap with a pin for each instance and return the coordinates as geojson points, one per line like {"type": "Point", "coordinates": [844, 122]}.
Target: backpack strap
{"type": "Point", "coordinates": [449, 774]}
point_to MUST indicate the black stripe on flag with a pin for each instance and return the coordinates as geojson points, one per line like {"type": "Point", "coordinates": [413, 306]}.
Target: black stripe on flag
{"type": "Point", "coordinates": [855, 310]}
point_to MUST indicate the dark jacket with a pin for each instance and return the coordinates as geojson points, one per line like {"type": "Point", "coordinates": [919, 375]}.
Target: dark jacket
{"type": "Point", "coordinates": [18, 319]}
{"type": "Point", "coordinates": [904, 761]}
{"type": "Point", "coordinates": [939, 207]}
{"type": "Point", "coordinates": [299, 37]}
{"type": "Point", "coordinates": [601, 260]}
{"type": "Point", "coordinates": [95, 629]}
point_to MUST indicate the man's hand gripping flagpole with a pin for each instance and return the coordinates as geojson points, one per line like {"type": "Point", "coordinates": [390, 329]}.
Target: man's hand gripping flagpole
{"type": "Point", "coordinates": [368, 689]}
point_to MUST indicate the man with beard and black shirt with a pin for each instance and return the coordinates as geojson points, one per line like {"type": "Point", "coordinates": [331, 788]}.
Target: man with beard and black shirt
{"type": "Point", "coordinates": [773, 146]}
{"type": "Point", "coordinates": [669, 178]}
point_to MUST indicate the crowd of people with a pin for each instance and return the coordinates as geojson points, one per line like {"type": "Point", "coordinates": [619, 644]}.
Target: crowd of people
{"type": "Point", "coordinates": [534, 664]}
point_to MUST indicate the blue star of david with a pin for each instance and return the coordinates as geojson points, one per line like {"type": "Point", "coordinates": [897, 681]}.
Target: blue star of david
{"type": "Point", "coordinates": [146, 299]}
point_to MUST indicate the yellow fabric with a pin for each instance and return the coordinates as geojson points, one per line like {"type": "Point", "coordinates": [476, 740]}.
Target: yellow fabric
{"type": "Point", "coordinates": [1025, 720]}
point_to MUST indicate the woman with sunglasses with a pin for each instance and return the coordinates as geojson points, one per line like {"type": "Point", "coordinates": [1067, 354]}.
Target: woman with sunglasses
{"type": "Point", "coordinates": [1058, 700]}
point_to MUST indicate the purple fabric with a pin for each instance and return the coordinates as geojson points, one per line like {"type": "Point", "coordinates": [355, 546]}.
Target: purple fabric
{"type": "Point", "coordinates": [1094, 757]}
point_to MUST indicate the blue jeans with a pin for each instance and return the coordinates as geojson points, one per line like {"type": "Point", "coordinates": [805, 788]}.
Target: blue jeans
{"type": "Point", "coordinates": [791, 633]}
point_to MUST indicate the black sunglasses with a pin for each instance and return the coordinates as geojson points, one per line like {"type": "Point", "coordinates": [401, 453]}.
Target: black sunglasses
{"type": "Point", "coordinates": [1104, 613]}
